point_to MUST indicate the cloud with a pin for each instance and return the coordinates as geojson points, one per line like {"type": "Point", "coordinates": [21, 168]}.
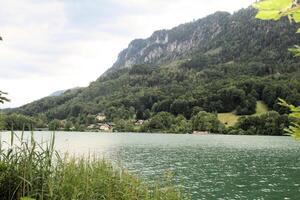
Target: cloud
{"type": "Point", "coordinates": [58, 44]}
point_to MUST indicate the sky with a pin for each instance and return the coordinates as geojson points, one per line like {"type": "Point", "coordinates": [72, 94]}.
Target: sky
{"type": "Point", "coordinates": [51, 45]}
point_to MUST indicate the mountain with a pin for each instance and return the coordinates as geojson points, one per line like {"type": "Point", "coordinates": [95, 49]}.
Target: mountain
{"type": "Point", "coordinates": [209, 35]}
{"type": "Point", "coordinates": [57, 93]}
{"type": "Point", "coordinates": [61, 92]}
{"type": "Point", "coordinates": [168, 45]}
{"type": "Point", "coordinates": [221, 63]}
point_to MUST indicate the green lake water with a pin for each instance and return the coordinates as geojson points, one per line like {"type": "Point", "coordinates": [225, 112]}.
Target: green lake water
{"type": "Point", "coordinates": [206, 166]}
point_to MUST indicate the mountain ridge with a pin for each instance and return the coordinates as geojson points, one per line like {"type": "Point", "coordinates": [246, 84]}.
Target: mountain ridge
{"type": "Point", "coordinates": [163, 44]}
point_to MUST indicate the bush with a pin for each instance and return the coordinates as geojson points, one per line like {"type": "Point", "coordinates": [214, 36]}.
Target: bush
{"type": "Point", "coordinates": [204, 121]}
{"type": "Point", "coordinates": [123, 126]}
{"type": "Point", "coordinates": [271, 123]}
{"type": "Point", "coordinates": [160, 122]}
{"type": "Point", "coordinates": [181, 125]}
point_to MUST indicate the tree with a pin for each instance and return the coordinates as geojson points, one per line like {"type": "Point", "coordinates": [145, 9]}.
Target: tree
{"type": "Point", "coordinates": [54, 125]}
{"type": "Point", "coordinates": [204, 121]}
{"type": "Point", "coordinates": [275, 10]}
{"type": "Point", "coordinates": [2, 122]}
{"type": "Point", "coordinates": [270, 123]}
{"type": "Point", "coordinates": [181, 125]}
{"type": "Point", "coordinates": [247, 107]}
{"type": "Point", "coordinates": [179, 106]}
{"type": "Point", "coordinates": [161, 122]}
{"type": "Point", "coordinates": [67, 126]}
{"type": "Point", "coordinates": [123, 126]}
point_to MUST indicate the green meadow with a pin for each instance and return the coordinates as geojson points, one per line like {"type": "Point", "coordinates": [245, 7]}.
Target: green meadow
{"type": "Point", "coordinates": [230, 119]}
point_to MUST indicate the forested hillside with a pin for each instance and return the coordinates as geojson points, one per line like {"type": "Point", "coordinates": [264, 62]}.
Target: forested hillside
{"type": "Point", "coordinates": [179, 79]}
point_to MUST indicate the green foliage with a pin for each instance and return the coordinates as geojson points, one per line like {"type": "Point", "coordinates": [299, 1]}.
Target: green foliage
{"type": "Point", "coordinates": [295, 50]}
{"type": "Point", "coordinates": [2, 122]}
{"type": "Point", "coordinates": [271, 123]}
{"type": "Point", "coordinates": [247, 107]}
{"type": "Point", "coordinates": [54, 125]}
{"type": "Point", "coordinates": [200, 61]}
{"type": "Point", "coordinates": [20, 122]}
{"type": "Point", "coordinates": [204, 121]}
{"type": "Point", "coordinates": [68, 126]}
{"type": "Point", "coordinates": [180, 106]}
{"type": "Point", "coordinates": [141, 70]}
{"type": "Point", "coordinates": [294, 128]}
{"type": "Point", "coordinates": [181, 125]}
{"type": "Point", "coordinates": [123, 126]}
{"type": "Point", "coordinates": [161, 122]}
{"type": "Point", "coordinates": [275, 9]}
{"type": "Point", "coordinates": [119, 112]}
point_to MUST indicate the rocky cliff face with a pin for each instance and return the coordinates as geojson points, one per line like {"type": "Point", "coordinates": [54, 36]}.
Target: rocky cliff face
{"type": "Point", "coordinates": [168, 45]}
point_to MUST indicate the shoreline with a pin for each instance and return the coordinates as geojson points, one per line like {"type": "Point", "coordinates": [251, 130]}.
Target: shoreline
{"type": "Point", "coordinates": [146, 133]}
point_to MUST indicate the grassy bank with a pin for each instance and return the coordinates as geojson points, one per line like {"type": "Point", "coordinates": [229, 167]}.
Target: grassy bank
{"type": "Point", "coordinates": [29, 170]}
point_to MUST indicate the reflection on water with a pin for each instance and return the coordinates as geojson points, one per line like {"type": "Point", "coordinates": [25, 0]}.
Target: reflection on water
{"type": "Point", "coordinates": [209, 167]}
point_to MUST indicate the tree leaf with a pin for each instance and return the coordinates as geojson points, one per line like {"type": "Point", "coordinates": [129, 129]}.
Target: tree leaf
{"type": "Point", "coordinates": [267, 15]}
{"type": "Point", "coordinates": [277, 5]}
{"type": "Point", "coordinates": [298, 31]}
{"type": "Point", "coordinates": [295, 50]}
{"type": "Point", "coordinates": [296, 17]}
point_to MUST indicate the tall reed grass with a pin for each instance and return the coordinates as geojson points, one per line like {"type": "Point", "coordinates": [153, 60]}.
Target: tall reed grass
{"type": "Point", "coordinates": [33, 171]}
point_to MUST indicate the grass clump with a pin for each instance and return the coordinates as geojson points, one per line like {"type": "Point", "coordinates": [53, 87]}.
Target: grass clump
{"type": "Point", "coordinates": [32, 171]}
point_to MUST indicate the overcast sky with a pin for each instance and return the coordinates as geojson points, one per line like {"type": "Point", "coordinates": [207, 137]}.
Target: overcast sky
{"type": "Point", "coordinates": [51, 45]}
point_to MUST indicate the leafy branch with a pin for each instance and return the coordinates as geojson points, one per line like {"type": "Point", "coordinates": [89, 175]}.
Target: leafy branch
{"type": "Point", "coordinates": [294, 129]}
{"type": "Point", "coordinates": [2, 98]}
{"type": "Point", "coordinates": [276, 9]}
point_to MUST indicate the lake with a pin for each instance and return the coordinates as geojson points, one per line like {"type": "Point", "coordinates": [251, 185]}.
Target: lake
{"type": "Point", "coordinates": [206, 166]}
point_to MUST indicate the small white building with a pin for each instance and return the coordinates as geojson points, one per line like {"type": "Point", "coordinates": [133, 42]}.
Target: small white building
{"type": "Point", "coordinates": [105, 127]}
{"type": "Point", "coordinates": [139, 122]}
{"type": "Point", "coordinates": [101, 117]}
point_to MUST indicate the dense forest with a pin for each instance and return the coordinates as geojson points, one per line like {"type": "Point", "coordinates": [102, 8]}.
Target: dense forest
{"type": "Point", "coordinates": [244, 63]}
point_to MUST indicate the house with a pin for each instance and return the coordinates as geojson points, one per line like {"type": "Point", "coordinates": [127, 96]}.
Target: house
{"type": "Point", "coordinates": [139, 122]}
{"type": "Point", "coordinates": [106, 127]}
{"type": "Point", "coordinates": [101, 117]}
